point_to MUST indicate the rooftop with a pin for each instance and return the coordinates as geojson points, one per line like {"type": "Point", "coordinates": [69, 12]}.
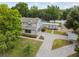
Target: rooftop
{"type": "Point", "coordinates": [31, 20]}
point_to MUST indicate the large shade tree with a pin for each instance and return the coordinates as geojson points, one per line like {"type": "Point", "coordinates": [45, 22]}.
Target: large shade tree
{"type": "Point", "coordinates": [73, 19]}
{"type": "Point", "coordinates": [22, 8]}
{"type": "Point", "coordinates": [33, 12]}
{"type": "Point", "coordinates": [44, 15]}
{"type": "Point", "coordinates": [54, 11]}
{"type": "Point", "coordinates": [10, 27]}
{"type": "Point", "coordinates": [65, 13]}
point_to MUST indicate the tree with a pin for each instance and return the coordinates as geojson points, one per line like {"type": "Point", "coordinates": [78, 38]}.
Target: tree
{"type": "Point", "coordinates": [3, 6]}
{"type": "Point", "coordinates": [73, 19]}
{"type": "Point", "coordinates": [3, 46]}
{"type": "Point", "coordinates": [22, 8]}
{"type": "Point", "coordinates": [54, 11]}
{"type": "Point", "coordinates": [33, 12]}
{"type": "Point", "coordinates": [10, 27]}
{"type": "Point", "coordinates": [65, 13]}
{"type": "Point", "coordinates": [44, 15]}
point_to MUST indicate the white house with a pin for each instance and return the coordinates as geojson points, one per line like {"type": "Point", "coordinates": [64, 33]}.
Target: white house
{"type": "Point", "coordinates": [51, 25]}
{"type": "Point", "coordinates": [31, 25]}
{"type": "Point", "coordinates": [58, 21]}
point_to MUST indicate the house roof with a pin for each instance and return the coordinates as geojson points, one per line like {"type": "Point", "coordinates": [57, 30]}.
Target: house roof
{"type": "Point", "coordinates": [31, 20]}
{"type": "Point", "coordinates": [58, 21]}
{"type": "Point", "coordinates": [51, 23]}
{"type": "Point", "coordinates": [30, 23]}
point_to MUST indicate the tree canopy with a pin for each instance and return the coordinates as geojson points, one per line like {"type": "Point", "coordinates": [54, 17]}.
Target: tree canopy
{"type": "Point", "coordinates": [49, 13]}
{"type": "Point", "coordinates": [22, 8]}
{"type": "Point", "coordinates": [73, 19]}
{"type": "Point", "coordinates": [10, 27]}
{"type": "Point", "coordinates": [54, 11]}
{"type": "Point", "coordinates": [33, 12]}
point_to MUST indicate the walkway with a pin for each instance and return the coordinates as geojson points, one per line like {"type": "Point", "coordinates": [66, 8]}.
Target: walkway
{"type": "Point", "coordinates": [45, 49]}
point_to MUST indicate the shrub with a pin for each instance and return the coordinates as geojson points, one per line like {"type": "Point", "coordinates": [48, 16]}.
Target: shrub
{"type": "Point", "coordinates": [43, 30]}
{"type": "Point", "coordinates": [77, 50]}
{"type": "Point", "coordinates": [41, 37]}
{"type": "Point", "coordinates": [27, 50]}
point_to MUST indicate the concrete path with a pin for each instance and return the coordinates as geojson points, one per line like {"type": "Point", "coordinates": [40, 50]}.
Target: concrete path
{"type": "Point", "coordinates": [31, 38]}
{"type": "Point", "coordinates": [45, 49]}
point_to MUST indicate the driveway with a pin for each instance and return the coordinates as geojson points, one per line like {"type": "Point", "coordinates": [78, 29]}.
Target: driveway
{"type": "Point", "coordinates": [46, 48]}
{"type": "Point", "coordinates": [63, 51]}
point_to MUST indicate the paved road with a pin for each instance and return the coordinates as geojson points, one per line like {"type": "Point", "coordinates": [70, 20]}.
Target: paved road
{"type": "Point", "coordinates": [45, 49]}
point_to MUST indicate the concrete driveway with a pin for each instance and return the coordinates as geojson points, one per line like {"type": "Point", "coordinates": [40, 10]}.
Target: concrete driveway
{"type": "Point", "coordinates": [46, 48]}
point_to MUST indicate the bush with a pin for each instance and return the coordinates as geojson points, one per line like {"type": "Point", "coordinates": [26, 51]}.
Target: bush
{"type": "Point", "coordinates": [41, 37]}
{"type": "Point", "coordinates": [78, 39]}
{"type": "Point", "coordinates": [43, 30]}
{"type": "Point", "coordinates": [77, 31]}
{"type": "Point", "coordinates": [27, 50]}
{"type": "Point", "coordinates": [10, 44]}
{"type": "Point", "coordinates": [77, 50]}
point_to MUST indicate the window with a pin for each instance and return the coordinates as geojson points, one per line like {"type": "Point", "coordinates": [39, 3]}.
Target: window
{"type": "Point", "coordinates": [27, 31]}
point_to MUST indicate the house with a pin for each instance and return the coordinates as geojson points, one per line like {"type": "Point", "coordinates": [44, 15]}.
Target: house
{"type": "Point", "coordinates": [58, 21]}
{"type": "Point", "coordinates": [31, 25]}
{"type": "Point", "coordinates": [57, 24]}
{"type": "Point", "coordinates": [51, 25]}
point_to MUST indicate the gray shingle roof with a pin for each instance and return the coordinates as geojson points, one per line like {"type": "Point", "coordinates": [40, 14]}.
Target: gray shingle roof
{"type": "Point", "coordinates": [30, 23]}
{"type": "Point", "coordinates": [31, 20]}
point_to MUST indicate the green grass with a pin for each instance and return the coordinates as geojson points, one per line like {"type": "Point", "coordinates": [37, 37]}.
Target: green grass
{"type": "Point", "coordinates": [18, 50]}
{"type": "Point", "coordinates": [48, 31]}
{"type": "Point", "coordinates": [55, 32]}
{"type": "Point", "coordinates": [59, 32]}
{"type": "Point", "coordinates": [60, 43]}
{"type": "Point", "coordinates": [74, 55]}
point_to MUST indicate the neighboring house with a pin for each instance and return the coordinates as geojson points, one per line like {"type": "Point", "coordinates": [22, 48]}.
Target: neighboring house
{"type": "Point", "coordinates": [58, 21]}
{"type": "Point", "coordinates": [51, 25]}
{"type": "Point", "coordinates": [57, 24]}
{"type": "Point", "coordinates": [31, 25]}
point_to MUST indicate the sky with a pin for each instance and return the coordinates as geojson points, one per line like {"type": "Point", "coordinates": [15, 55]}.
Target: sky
{"type": "Point", "coordinates": [42, 5]}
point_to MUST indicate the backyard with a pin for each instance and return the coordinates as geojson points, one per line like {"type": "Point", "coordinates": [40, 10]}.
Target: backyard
{"type": "Point", "coordinates": [20, 49]}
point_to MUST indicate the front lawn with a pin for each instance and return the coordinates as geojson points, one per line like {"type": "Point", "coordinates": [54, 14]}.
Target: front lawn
{"type": "Point", "coordinates": [20, 49]}
{"type": "Point", "coordinates": [60, 43]}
